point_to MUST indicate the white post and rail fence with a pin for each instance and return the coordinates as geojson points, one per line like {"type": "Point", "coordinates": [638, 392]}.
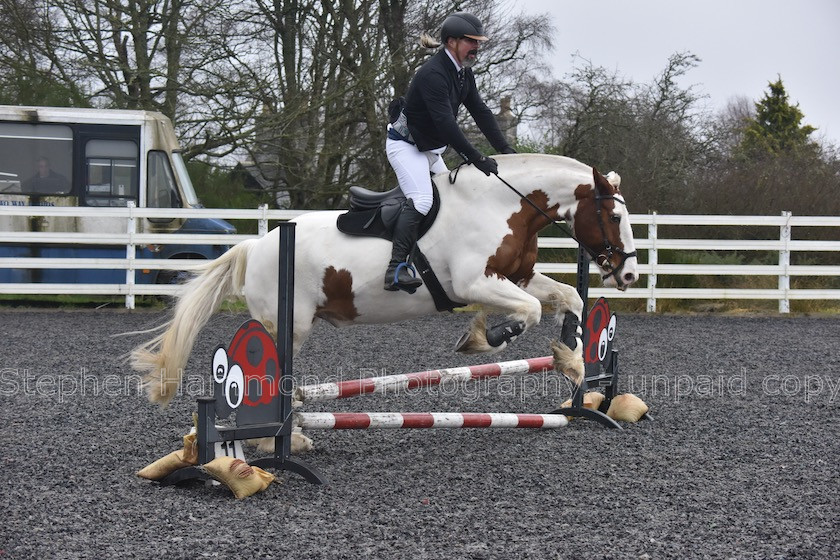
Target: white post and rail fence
{"type": "Point", "coordinates": [782, 242]}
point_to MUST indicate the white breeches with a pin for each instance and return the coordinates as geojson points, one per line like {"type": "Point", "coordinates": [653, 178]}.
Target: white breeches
{"type": "Point", "coordinates": [412, 168]}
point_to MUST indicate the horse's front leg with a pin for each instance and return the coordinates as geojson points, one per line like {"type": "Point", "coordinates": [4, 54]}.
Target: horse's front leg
{"type": "Point", "coordinates": [567, 305]}
{"type": "Point", "coordinates": [563, 300]}
{"type": "Point", "coordinates": [523, 312]}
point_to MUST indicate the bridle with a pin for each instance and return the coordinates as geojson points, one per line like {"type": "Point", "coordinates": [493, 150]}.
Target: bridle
{"type": "Point", "coordinates": [602, 259]}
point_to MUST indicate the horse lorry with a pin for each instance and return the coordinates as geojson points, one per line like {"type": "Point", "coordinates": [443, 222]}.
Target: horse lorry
{"type": "Point", "coordinates": [94, 159]}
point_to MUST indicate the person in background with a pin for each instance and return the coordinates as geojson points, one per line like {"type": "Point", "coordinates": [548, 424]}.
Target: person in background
{"type": "Point", "coordinates": [45, 180]}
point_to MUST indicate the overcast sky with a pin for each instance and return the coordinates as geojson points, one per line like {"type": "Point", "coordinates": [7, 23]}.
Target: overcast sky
{"type": "Point", "coordinates": [742, 44]}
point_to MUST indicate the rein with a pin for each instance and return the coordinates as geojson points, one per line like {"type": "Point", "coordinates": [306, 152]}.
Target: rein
{"type": "Point", "coordinates": [603, 258]}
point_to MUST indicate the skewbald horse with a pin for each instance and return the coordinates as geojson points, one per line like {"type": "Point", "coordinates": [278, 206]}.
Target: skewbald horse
{"type": "Point", "coordinates": [482, 246]}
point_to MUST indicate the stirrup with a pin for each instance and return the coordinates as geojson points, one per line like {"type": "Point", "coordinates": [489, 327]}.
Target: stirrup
{"type": "Point", "coordinates": [410, 288]}
{"type": "Point", "coordinates": [401, 266]}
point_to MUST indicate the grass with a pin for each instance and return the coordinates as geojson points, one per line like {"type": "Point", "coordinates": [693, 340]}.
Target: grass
{"type": "Point", "coordinates": [568, 255]}
{"type": "Point", "coordinates": [73, 301]}
{"type": "Point", "coordinates": [675, 306]}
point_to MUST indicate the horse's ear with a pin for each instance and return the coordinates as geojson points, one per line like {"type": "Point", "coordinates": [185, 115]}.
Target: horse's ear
{"type": "Point", "coordinates": [601, 183]}
{"type": "Point", "coordinates": [609, 182]}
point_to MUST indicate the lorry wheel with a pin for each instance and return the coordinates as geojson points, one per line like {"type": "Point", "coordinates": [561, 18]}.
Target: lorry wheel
{"type": "Point", "coordinates": [172, 277]}
{"type": "Point", "coordinates": [175, 277]}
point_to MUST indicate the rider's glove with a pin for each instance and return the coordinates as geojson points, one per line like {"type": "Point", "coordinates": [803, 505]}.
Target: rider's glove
{"type": "Point", "coordinates": [487, 165]}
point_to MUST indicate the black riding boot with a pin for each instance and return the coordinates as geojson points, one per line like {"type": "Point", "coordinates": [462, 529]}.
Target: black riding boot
{"type": "Point", "coordinates": [405, 236]}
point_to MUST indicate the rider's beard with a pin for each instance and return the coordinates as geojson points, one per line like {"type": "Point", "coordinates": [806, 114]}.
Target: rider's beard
{"type": "Point", "coordinates": [469, 61]}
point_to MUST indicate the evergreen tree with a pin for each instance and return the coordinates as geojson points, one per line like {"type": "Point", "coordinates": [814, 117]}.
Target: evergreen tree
{"type": "Point", "coordinates": [776, 129]}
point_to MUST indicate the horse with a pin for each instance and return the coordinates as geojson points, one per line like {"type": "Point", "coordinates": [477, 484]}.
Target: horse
{"type": "Point", "coordinates": [482, 247]}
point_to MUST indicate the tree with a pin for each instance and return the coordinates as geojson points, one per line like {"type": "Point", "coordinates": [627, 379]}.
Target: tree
{"type": "Point", "coordinates": [776, 128]}
{"type": "Point", "coordinates": [336, 66]}
{"type": "Point", "coordinates": [730, 123]}
{"type": "Point", "coordinates": [669, 139]}
{"type": "Point", "coordinates": [157, 55]}
{"type": "Point", "coordinates": [648, 133]}
{"type": "Point", "coordinates": [763, 162]}
{"type": "Point", "coordinates": [30, 77]}
{"type": "Point", "coordinates": [301, 86]}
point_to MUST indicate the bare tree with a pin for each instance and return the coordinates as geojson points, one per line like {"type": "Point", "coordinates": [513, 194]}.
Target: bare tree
{"type": "Point", "coordinates": [320, 95]}
{"type": "Point", "coordinates": [731, 121]}
{"type": "Point", "coordinates": [647, 132]}
{"type": "Point", "coordinates": [302, 86]}
{"type": "Point", "coordinates": [30, 76]}
{"type": "Point", "coordinates": [335, 68]}
{"type": "Point", "coordinates": [132, 54]}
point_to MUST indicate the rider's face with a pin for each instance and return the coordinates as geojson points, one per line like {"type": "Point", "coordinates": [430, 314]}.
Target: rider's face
{"type": "Point", "coordinates": [464, 50]}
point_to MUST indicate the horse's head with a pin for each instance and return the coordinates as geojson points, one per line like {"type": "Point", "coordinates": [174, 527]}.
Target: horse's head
{"type": "Point", "coordinates": [601, 224]}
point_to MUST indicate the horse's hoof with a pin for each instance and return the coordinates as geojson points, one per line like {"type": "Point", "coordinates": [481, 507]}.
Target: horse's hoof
{"type": "Point", "coordinates": [470, 344]}
{"type": "Point", "coordinates": [462, 343]}
{"type": "Point", "coordinates": [300, 443]}
{"type": "Point", "coordinates": [568, 362]}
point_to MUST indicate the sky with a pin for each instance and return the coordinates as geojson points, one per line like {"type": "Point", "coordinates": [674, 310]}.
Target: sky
{"type": "Point", "coordinates": [743, 45]}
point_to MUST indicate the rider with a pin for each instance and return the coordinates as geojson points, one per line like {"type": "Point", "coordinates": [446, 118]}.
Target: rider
{"type": "Point", "coordinates": [426, 125]}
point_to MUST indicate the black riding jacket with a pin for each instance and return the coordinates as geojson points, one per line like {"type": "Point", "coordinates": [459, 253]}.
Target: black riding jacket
{"type": "Point", "coordinates": [432, 102]}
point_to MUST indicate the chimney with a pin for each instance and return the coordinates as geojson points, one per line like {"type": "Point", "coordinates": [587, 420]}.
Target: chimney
{"type": "Point", "coordinates": [507, 121]}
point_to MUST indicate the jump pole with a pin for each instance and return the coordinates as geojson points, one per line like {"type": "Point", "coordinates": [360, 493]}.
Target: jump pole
{"type": "Point", "coordinates": [424, 420]}
{"type": "Point", "coordinates": [407, 381]}
{"type": "Point", "coordinates": [606, 380]}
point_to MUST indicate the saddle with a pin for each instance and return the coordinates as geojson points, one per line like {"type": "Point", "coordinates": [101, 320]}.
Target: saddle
{"type": "Point", "coordinates": [374, 214]}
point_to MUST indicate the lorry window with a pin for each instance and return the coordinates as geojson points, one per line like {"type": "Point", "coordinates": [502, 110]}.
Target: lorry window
{"type": "Point", "coordinates": [35, 159]}
{"type": "Point", "coordinates": [184, 178]}
{"type": "Point", "coordinates": [161, 189]}
{"type": "Point", "coordinates": [111, 167]}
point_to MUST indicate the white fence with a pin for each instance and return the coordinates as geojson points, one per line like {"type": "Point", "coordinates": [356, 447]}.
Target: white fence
{"type": "Point", "coordinates": [646, 289]}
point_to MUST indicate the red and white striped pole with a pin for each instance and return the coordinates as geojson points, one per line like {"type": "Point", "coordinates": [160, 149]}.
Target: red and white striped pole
{"type": "Point", "coordinates": [420, 420]}
{"type": "Point", "coordinates": [386, 383]}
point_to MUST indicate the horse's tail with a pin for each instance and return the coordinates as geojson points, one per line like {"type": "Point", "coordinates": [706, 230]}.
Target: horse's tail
{"type": "Point", "coordinates": [162, 359]}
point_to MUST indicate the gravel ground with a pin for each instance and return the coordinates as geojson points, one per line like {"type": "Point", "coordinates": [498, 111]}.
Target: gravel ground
{"type": "Point", "coordinates": [740, 461]}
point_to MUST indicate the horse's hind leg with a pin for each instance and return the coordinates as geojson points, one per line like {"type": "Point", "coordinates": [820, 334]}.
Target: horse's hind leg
{"type": "Point", "coordinates": [567, 305]}
{"type": "Point", "coordinates": [304, 318]}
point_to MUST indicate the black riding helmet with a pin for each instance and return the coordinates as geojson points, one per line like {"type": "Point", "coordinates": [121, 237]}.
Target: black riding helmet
{"type": "Point", "coordinates": [462, 24]}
